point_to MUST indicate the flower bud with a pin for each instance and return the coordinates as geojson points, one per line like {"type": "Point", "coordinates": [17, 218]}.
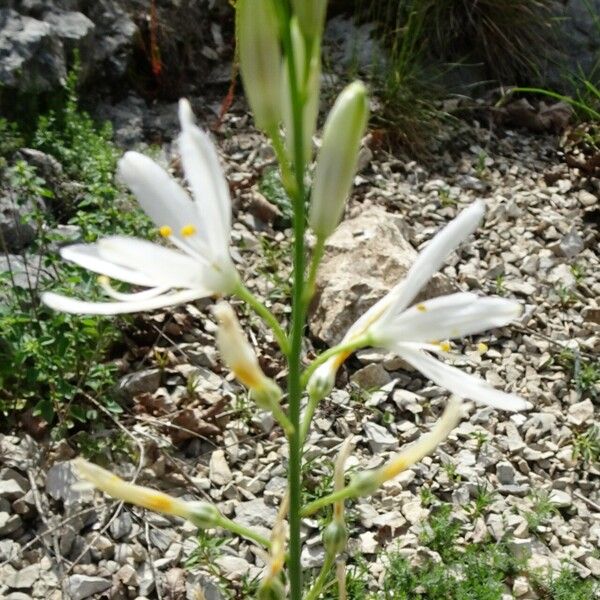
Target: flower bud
{"type": "Point", "coordinates": [311, 14]}
{"type": "Point", "coordinates": [336, 164]}
{"type": "Point", "coordinates": [260, 59]}
{"type": "Point", "coordinates": [335, 537]}
{"type": "Point", "coordinates": [271, 589]}
{"type": "Point", "coordinates": [364, 483]}
{"type": "Point", "coordinates": [203, 514]}
{"type": "Point", "coordinates": [239, 356]}
{"type": "Point", "coordinates": [310, 89]}
{"type": "Point", "coordinates": [321, 382]}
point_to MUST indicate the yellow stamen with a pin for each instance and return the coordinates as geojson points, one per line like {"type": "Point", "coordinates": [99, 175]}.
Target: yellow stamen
{"type": "Point", "coordinates": [188, 230]}
{"type": "Point", "coordinates": [165, 231]}
{"type": "Point", "coordinates": [482, 348]}
{"type": "Point", "coordinates": [444, 346]}
{"type": "Point", "coordinates": [421, 307]}
{"type": "Point", "coordinates": [103, 280]}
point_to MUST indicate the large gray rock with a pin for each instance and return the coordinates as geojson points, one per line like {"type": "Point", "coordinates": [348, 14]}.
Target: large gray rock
{"type": "Point", "coordinates": [16, 230]}
{"type": "Point", "coordinates": [363, 260]}
{"type": "Point", "coordinates": [31, 55]}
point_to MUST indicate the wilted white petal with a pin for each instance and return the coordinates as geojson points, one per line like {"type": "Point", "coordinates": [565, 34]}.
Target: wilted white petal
{"type": "Point", "coordinates": [162, 198]}
{"type": "Point", "coordinates": [446, 317]}
{"type": "Point", "coordinates": [431, 258]}
{"type": "Point", "coordinates": [205, 176]}
{"type": "Point", "coordinates": [88, 257]}
{"type": "Point", "coordinates": [81, 307]}
{"type": "Point", "coordinates": [460, 383]}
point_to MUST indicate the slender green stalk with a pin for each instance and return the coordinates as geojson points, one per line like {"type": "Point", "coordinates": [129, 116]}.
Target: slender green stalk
{"type": "Point", "coordinates": [314, 267]}
{"type": "Point", "coordinates": [359, 342]}
{"type": "Point", "coordinates": [313, 401]}
{"type": "Point", "coordinates": [282, 419]}
{"type": "Point", "coordinates": [298, 315]}
{"type": "Point", "coordinates": [260, 309]}
{"type": "Point", "coordinates": [347, 492]}
{"type": "Point", "coordinates": [594, 114]}
{"type": "Point", "coordinates": [324, 574]}
{"type": "Point", "coordinates": [246, 532]}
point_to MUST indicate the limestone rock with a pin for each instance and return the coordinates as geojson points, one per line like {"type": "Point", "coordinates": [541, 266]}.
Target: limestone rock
{"type": "Point", "coordinates": [363, 260]}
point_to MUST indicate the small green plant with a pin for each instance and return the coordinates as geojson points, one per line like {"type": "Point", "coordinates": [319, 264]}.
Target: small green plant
{"type": "Point", "coordinates": [586, 445]}
{"type": "Point", "coordinates": [499, 284]}
{"type": "Point", "coordinates": [445, 198]}
{"type": "Point", "coordinates": [480, 165]}
{"type": "Point", "coordinates": [481, 439]}
{"type": "Point", "coordinates": [450, 469]}
{"type": "Point", "coordinates": [273, 267]}
{"type": "Point", "coordinates": [578, 271]}
{"type": "Point", "coordinates": [483, 498]}
{"type": "Point", "coordinates": [441, 531]}
{"type": "Point", "coordinates": [584, 372]}
{"type": "Point", "coordinates": [567, 585]}
{"type": "Point", "coordinates": [541, 512]}
{"type": "Point", "coordinates": [271, 187]}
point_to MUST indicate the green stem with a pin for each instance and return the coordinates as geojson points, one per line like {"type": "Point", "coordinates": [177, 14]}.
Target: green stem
{"type": "Point", "coordinates": [260, 309]}
{"type": "Point", "coordinates": [314, 267]}
{"type": "Point", "coordinates": [324, 574]}
{"type": "Point", "coordinates": [355, 344]}
{"type": "Point", "coordinates": [240, 530]}
{"type": "Point", "coordinates": [313, 401]}
{"type": "Point", "coordinates": [298, 315]}
{"type": "Point", "coordinates": [282, 419]}
{"type": "Point", "coordinates": [347, 492]}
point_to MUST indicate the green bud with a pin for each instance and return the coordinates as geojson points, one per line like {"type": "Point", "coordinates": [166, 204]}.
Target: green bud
{"type": "Point", "coordinates": [364, 483]}
{"type": "Point", "coordinates": [336, 164]}
{"type": "Point", "coordinates": [260, 59]}
{"type": "Point", "coordinates": [311, 14]}
{"type": "Point", "coordinates": [271, 589]}
{"type": "Point", "coordinates": [204, 514]}
{"type": "Point", "coordinates": [267, 395]}
{"type": "Point", "coordinates": [335, 538]}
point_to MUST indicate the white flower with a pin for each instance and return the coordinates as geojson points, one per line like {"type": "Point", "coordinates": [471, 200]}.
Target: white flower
{"type": "Point", "coordinates": [413, 333]}
{"type": "Point", "coordinates": [199, 228]}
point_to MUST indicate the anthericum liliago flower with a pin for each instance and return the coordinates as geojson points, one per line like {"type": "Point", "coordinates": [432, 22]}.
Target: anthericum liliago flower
{"type": "Point", "coordinates": [200, 230]}
{"type": "Point", "coordinates": [418, 332]}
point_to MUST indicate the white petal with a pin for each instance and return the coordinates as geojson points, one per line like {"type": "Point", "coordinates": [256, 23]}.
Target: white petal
{"type": "Point", "coordinates": [446, 317]}
{"type": "Point", "coordinates": [80, 307]}
{"type": "Point", "coordinates": [434, 254]}
{"type": "Point", "coordinates": [165, 266]}
{"type": "Point", "coordinates": [205, 176]}
{"type": "Point", "coordinates": [460, 383]}
{"type": "Point", "coordinates": [109, 290]}
{"type": "Point", "coordinates": [161, 197]}
{"type": "Point", "coordinates": [88, 257]}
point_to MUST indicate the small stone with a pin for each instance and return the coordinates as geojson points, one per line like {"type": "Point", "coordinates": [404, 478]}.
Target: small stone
{"type": "Point", "coordinates": [581, 412]}
{"type": "Point", "coordinates": [371, 377]}
{"type": "Point", "coordinates": [587, 199]}
{"type": "Point", "coordinates": [127, 575]}
{"type": "Point", "coordinates": [121, 526]}
{"type": "Point", "coordinates": [522, 288]}
{"type": "Point", "coordinates": [219, 471]}
{"type": "Point", "coordinates": [9, 523]}
{"type": "Point", "coordinates": [379, 438]}
{"type": "Point", "coordinates": [368, 542]}
{"type": "Point", "coordinates": [233, 566]}
{"type": "Point", "coordinates": [560, 499]}
{"type": "Point", "coordinates": [25, 578]}
{"type": "Point", "coordinates": [505, 472]}
{"type": "Point", "coordinates": [312, 556]}
{"type": "Point", "coordinates": [141, 382]}
{"type": "Point", "coordinates": [85, 586]}
{"type": "Point", "coordinates": [520, 586]}
{"type": "Point", "coordinates": [414, 512]}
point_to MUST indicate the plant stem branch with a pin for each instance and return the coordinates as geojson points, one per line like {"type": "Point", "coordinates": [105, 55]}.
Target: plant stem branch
{"type": "Point", "coordinates": [349, 347]}
{"type": "Point", "coordinates": [314, 267]}
{"type": "Point", "coordinates": [242, 531]}
{"type": "Point", "coordinates": [243, 293]}
{"type": "Point", "coordinates": [343, 494]}
{"type": "Point", "coordinates": [324, 573]}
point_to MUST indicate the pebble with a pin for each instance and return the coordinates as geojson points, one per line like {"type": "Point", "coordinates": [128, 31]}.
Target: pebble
{"type": "Point", "coordinates": [379, 438]}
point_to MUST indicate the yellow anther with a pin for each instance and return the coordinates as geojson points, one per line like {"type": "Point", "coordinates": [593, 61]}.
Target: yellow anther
{"type": "Point", "coordinates": [188, 230]}
{"type": "Point", "coordinates": [421, 307]}
{"type": "Point", "coordinates": [482, 348]}
{"type": "Point", "coordinates": [103, 280]}
{"type": "Point", "coordinates": [445, 346]}
{"type": "Point", "coordinates": [165, 231]}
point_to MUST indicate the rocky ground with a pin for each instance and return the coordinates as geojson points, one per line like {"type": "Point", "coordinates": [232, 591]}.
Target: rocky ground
{"type": "Point", "coordinates": [190, 429]}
